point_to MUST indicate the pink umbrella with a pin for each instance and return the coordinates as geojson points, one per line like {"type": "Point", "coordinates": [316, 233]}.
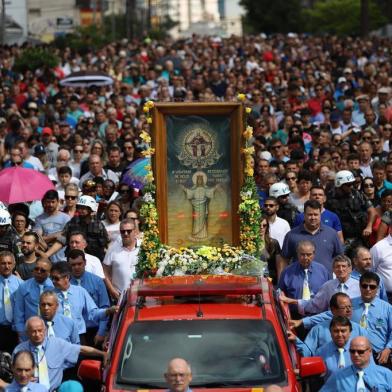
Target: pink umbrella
{"type": "Point", "coordinates": [18, 185]}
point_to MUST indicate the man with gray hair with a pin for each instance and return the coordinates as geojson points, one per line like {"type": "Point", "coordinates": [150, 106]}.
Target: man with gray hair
{"type": "Point", "coordinates": [303, 278]}
{"type": "Point", "coordinates": [178, 375]}
{"type": "Point", "coordinates": [344, 283]}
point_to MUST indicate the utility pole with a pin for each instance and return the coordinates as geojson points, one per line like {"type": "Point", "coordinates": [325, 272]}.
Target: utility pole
{"type": "Point", "coordinates": [364, 18]}
{"type": "Point", "coordinates": [128, 19]}
{"type": "Point", "coordinates": [148, 15]}
{"type": "Point", "coordinates": [2, 27]}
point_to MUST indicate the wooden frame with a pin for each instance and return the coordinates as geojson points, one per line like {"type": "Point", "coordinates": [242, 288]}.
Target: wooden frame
{"type": "Point", "coordinates": [231, 114]}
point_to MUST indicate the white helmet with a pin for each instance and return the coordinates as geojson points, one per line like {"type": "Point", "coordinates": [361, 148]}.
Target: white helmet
{"type": "Point", "coordinates": [5, 217]}
{"type": "Point", "coordinates": [279, 189]}
{"type": "Point", "coordinates": [344, 177]}
{"type": "Point", "coordinates": [88, 201]}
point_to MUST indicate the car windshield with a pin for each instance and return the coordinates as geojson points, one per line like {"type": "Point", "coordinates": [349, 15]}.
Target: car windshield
{"type": "Point", "coordinates": [222, 353]}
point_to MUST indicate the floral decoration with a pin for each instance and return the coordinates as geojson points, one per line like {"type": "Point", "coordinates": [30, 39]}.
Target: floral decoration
{"type": "Point", "coordinates": [157, 259]}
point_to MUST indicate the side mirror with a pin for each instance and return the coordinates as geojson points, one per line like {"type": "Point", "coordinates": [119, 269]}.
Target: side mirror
{"type": "Point", "coordinates": [90, 369]}
{"type": "Point", "coordinates": [311, 366]}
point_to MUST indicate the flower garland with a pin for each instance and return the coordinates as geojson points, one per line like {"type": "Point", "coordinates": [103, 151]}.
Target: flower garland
{"type": "Point", "coordinates": [249, 208]}
{"type": "Point", "coordinates": [151, 244]}
{"type": "Point", "coordinates": [158, 259]}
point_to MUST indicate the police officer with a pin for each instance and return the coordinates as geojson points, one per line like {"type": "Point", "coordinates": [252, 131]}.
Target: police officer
{"type": "Point", "coordinates": [286, 210]}
{"type": "Point", "coordinates": [86, 223]}
{"type": "Point", "coordinates": [355, 211]}
{"type": "Point", "coordinates": [8, 238]}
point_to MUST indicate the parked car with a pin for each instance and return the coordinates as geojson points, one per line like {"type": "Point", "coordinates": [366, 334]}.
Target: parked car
{"type": "Point", "coordinates": [231, 329]}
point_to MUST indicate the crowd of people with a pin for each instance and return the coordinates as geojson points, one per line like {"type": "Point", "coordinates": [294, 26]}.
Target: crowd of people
{"type": "Point", "coordinates": [321, 112]}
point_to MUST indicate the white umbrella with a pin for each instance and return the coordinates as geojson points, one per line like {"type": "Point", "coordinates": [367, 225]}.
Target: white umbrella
{"type": "Point", "coordinates": [86, 79]}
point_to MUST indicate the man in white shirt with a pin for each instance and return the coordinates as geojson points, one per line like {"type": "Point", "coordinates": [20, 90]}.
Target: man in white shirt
{"type": "Point", "coordinates": [278, 227]}
{"type": "Point", "coordinates": [95, 165]}
{"type": "Point", "coordinates": [382, 261]}
{"type": "Point", "coordinates": [93, 264]}
{"type": "Point", "coordinates": [120, 261]}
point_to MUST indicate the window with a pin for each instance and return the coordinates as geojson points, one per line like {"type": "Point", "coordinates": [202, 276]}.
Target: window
{"type": "Point", "coordinates": [222, 353]}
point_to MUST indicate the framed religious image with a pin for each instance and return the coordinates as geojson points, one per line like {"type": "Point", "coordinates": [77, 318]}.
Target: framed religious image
{"type": "Point", "coordinates": [198, 172]}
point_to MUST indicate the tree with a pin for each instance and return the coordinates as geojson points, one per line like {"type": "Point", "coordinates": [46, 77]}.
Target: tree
{"type": "Point", "coordinates": [276, 16]}
{"type": "Point", "coordinates": [341, 17]}
{"type": "Point", "coordinates": [36, 58]}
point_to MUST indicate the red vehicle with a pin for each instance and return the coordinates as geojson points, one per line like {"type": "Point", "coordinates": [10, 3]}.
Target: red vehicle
{"type": "Point", "coordinates": [231, 329]}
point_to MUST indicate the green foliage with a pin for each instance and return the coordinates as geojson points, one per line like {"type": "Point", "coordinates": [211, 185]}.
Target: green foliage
{"type": "Point", "coordinates": [341, 17]}
{"type": "Point", "coordinates": [36, 58]}
{"type": "Point", "coordinates": [276, 16]}
{"type": "Point", "coordinates": [83, 39]}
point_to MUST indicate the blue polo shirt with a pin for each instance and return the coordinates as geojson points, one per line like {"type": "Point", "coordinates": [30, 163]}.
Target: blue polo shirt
{"type": "Point", "coordinates": [325, 240]}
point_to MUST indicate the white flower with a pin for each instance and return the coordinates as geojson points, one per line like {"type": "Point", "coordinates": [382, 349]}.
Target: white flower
{"type": "Point", "coordinates": [148, 198]}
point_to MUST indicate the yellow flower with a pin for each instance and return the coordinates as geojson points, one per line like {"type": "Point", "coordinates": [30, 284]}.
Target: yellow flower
{"type": "Point", "coordinates": [149, 120]}
{"type": "Point", "coordinates": [145, 137]}
{"type": "Point", "coordinates": [146, 109]}
{"type": "Point", "coordinates": [241, 97]}
{"type": "Point", "coordinates": [248, 110]}
{"type": "Point", "coordinates": [150, 104]}
{"type": "Point", "coordinates": [248, 133]}
{"type": "Point", "coordinates": [149, 177]}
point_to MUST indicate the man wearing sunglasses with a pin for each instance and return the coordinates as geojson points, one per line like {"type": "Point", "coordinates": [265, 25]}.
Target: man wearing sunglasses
{"type": "Point", "coordinates": [120, 261]}
{"type": "Point", "coordinates": [363, 375]}
{"type": "Point", "coordinates": [375, 315]}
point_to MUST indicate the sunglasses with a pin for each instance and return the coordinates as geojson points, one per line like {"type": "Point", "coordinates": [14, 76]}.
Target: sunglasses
{"type": "Point", "coordinates": [57, 278]}
{"type": "Point", "coordinates": [275, 147]}
{"type": "Point", "coordinates": [359, 352]}
{"type": "Point", "coordinates": [269, 205]}
{"type": "Point", "coordinates": [42, 270]}
{"type": "Point", "coordinates": [68, 197]}
{"type": "Point", "coordinates": [78, 151]}
{"type": "Point", "coordinates": [123, 191]}
{"type": "Point", "coordinates": [263, 225]}
{"type": "Point", "coordinates": [126, 231]}
{"type": "Point", "coordinates": [369, 286]}
{"type": "Point", "coordinates": [368, 185]}
{"type": "Point", "coordinates": [291, 178]}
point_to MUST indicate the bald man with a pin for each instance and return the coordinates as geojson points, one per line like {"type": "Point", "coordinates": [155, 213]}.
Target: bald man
{"type": "Point", "coordinates": [54, 354]}
{"type": "Point", "coordinates": [178, 375]}
{"type": "Point", "coordinates": [363, 374]}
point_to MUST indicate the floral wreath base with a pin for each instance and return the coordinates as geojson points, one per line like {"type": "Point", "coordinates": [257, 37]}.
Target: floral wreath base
{"type": "Point", "coordinates": [157, 259]}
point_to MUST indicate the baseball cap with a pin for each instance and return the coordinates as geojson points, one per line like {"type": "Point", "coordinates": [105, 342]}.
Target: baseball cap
{"type": "Point", "coordinates": [384, 90]}
{"type": "Point", "coordinates": [39, 149]}
{"type": "Point", "coordinates": [32, 105]}
{"type": "Point", "coordinates": [342, 79]}
{"type": "Point", "coordinates": [47, 131]}
{"type": "Point", "coordinates": [348, 70]}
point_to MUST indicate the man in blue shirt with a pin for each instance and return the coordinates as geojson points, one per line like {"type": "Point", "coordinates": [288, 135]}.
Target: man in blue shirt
{"type": "Point", "coordinates": [328, 218]}
{"type": "Point", "coordinates": [56, 323]}
{"type": "Point", "coordinates": [324, 238]}
{"type": "Point", "coordinates": [375, 315]}
{"type": "Point", "coordinates": [26, 299]}
{"type": "Point", "coordinates": [340, 305]}
{"type": "Point", "coordinates": [54, 354]}
{"type": "Point", "coordinates": [303, 278]}
{"type": "Point", "coordinates": [362, 262]}
{"type": "Point", "coordinates": [23, 365]}
{"type": "Point", "coordinates": [362, 375]}
{"type": "Point", "coordinates": [336, 352]}
{"type": "Point", "coordinates": [95, 333]}
{"type": "Point", "coordinates": [8, 285]}
{"type": "Point", "coordinates": [343, 283]}
{"type": "Point", "coordinates": [75, 302]}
